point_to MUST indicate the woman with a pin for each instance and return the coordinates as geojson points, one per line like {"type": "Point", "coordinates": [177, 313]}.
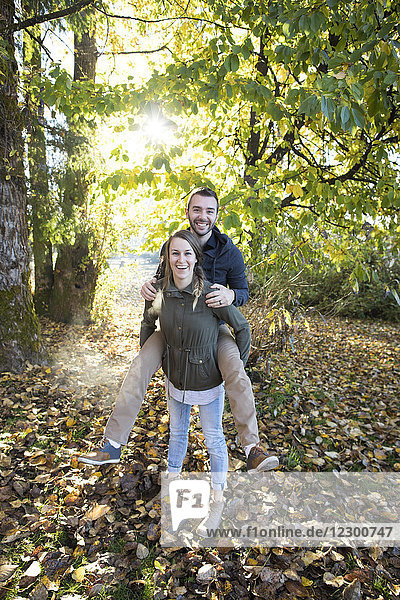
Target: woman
{"type": "Point", "coordinates": [190, 329]}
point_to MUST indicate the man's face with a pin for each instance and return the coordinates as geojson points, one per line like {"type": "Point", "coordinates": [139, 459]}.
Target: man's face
{"type": "Point", "coordinates": [202, 214]}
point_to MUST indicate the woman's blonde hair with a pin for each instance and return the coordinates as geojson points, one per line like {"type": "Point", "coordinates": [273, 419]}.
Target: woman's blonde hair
{"type": "Point", "coordinates": [198, 274]}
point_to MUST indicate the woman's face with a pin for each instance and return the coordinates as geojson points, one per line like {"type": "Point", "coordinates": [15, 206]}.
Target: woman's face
{"type": "Point", "coordinates": [182, 260]}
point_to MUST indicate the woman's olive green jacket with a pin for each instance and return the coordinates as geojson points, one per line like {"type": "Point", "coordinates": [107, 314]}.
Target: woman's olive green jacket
{"type": "Point", "coordinates": [190, 360]}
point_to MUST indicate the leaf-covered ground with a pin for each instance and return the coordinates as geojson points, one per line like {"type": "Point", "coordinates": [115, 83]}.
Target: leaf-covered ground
{"type": "Point", "coordinates": [71, 532]}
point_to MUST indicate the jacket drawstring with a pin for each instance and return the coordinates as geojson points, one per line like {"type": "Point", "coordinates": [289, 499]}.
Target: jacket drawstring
{"type": "Point", "coordinates": [168, 370]}
{"type": "Point", "coordinates": [187, 350]}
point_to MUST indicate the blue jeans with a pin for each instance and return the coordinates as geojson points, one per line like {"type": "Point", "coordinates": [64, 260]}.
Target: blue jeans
{"type": "Point", "coordinates": [211, 424]}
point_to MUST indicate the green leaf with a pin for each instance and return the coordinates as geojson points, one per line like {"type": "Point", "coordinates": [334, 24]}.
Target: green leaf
{"type": "Point", "coordinates": [345, 115]}
{"type": "Point", "coordinates": [227, 63]}
{"type": "Point", "coordinates": [327, 107]}
{"type": "Point", "coordinates": [166, 165]}
{"type": "Point", "coordinates": [228, 223]}
{"type": "Point", "coordinates": [232, 221]}
{"type": "Point", "coordinates": [292, 96]}
{"type": "Point", "coordinates": [358, 116]}
{"type": "Point", "coordinates": [265, 92]}
{"type": "Point", "coordinates": [358, 91]}
{"type": "Point", "coordinates": [355, 286]}
{"type": "Point", "coordinates": [274, 110]}
{"type": "Point", "coordinates": [236, 220]}
{"type": "Point", "coordinates": [173, 227]}
{"type": "Point", "coordinates": [309, 106]}
{"type": "Point", "coordinates": [395, 296]}
{"type": "Point", "coordinates": [373, 103]}
{"type": "Point", "coordinates": [234, 62]}
{"type": "Point", "coordinates": [391, 77]}
{"type": "Point", "coordinates": [386, 29]}
{"type": "Point", "coordinates": [246, 53]}
{"type": "Point", "coordinates": [157, 162]}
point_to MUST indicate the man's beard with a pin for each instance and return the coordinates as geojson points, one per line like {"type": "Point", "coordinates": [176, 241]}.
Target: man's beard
{"type": "Point", "coordinates": [201, 233]}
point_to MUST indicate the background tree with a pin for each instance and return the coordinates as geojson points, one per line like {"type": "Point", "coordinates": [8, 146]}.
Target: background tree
{"type": "Point", "coordinates": [39, 199]}
{"type": "Point", "coordinates": [75, 273]}
{"type": "Point", "coordinates": [295, 107]}
{"type": "Point", "coordinates": [19, 328]}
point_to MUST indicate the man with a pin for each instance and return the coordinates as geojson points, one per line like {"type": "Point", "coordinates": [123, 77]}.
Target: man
{"type": "Point", "coordinates": [224, 266]}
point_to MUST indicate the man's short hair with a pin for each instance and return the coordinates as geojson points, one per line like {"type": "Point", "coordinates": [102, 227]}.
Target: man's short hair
{"type": "Point", "coordinates": [204, 191]}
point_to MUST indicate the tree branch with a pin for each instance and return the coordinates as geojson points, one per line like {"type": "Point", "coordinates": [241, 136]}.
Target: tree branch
{"type": "Point", "coordinates": [178, 18]}
{"type": "Point", "coordinates": [58, 14]}
{"type": "Point", "coordinates": [165, 47]}
{"type": "Point", "coordinates": [286, 145]}
{"type": "Point", "coordinates": [40, 43]}
{"type": "Point", "coordinates": [288, 203]}
{"type": "Point", "coordinates": [362, 162]}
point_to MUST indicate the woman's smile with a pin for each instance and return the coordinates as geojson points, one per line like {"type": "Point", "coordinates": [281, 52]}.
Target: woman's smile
{"type": "Point", "coordinates": [182, 260]}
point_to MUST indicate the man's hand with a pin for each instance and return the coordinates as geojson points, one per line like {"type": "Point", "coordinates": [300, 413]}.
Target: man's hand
{"type": "Point", "coordinates": [148, 291]}
{"type": "Point", "coordinates": [221, 297]}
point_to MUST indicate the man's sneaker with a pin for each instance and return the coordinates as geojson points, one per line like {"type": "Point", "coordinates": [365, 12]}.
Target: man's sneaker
{"type": "Point", "coordinates": [213, 519]}
{"type": "Point", "coordinates": [259, 460]}
{"type": "Point", "coordinates": [106, 454]}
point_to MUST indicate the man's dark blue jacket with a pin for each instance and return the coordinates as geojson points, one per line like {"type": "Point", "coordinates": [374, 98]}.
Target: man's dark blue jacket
{"type": "Point", "coordinates": [222, 263]}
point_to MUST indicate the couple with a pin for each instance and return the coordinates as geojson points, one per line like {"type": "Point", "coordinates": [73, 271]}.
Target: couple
{"type": "Point", "coordinates": [192, 372]}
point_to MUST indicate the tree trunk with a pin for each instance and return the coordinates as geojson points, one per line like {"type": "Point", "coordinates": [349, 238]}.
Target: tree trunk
{"type": "Point", "coordinates": [19, 327]}
{"type": "Point", "coordinates": [75, 275]}
{"type": "Point", "coordinates": [38, 193]}
{"type": "Point", "coordinates": [74, 283]}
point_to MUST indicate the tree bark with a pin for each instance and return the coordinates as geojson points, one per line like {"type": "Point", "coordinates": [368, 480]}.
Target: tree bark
{"type": "Point", "coordinates": [75, 275]}
{"type": "Point", "coordinates": [38, 193]}
{"type": "Point", "coordinates": [74, 283]}
{"type": "Point", "coordinates": [19, 327]}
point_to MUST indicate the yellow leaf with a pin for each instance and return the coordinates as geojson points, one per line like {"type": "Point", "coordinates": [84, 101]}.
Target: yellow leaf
{"type": "Point", "coordinates": [79, 574]}
{"type": "Point", "coordinates": [380, 454]}
{"type": "Point", "coordinates": [297, 190]}
{"type": "Point", "coordinates": [97, 511]}
{"type": "Point", "coordinates": [306, 582]}
{"type": "Point", "coordinates": [310, 557]}
{"type": "Point", "coordinates": [38, 460]}
{"type": "Point", "coordinates": [70, 422]}
{"type": "Point", "coordinates": [340, 75]}
{"type": "Point", "coordinates": [71, 498]}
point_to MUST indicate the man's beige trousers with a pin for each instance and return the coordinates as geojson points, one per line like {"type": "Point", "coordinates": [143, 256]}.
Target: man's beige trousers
{"type": "Point", "coordinates": [148, 361]}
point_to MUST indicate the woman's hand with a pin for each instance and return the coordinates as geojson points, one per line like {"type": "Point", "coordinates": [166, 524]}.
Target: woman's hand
{"type": "Point", "coordinates": [148, 291]}
{"type": "Point", "coordinates": [221, 297]}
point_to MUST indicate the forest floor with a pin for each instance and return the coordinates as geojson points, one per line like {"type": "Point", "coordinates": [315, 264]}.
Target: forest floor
{"type": "Point", "coordinates": [69, 531]}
